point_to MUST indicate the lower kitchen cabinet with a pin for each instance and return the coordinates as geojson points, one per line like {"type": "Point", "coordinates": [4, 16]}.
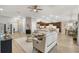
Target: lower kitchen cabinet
{"type": "Point", "coordinates": [6, 46]}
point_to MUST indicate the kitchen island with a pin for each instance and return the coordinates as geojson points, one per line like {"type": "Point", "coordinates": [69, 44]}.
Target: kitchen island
{"type": "Point", "coordinates": [45, 41]}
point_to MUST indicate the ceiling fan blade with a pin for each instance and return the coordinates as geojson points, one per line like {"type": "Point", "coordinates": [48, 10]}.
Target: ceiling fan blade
{"type": "Point", "coordinates": [39, 9]}
{"type": "Point", "coordinates": [30, 7]}
{"type": "Point", "coordinates": [35, 7]}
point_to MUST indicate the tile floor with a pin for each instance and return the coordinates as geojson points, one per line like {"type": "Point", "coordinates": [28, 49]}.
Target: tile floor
{"type": "Point", "coordinates": [65, 44]}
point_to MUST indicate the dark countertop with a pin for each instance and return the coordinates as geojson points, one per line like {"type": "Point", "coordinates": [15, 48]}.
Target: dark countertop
{"type": "Point", "coordinates": [6, 38]}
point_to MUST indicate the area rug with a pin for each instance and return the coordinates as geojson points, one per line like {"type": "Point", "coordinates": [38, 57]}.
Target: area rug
{"type": "Point", "coordinates": [26, 46]}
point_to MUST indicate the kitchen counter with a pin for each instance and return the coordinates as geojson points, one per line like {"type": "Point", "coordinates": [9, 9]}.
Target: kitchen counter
{"type": "Point", "coordinates": [5, 38]}
{"type": "Point", "coordinates": [6, 44]}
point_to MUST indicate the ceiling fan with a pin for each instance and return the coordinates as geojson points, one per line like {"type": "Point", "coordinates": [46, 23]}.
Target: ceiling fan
{"type": "Point", "coordinates": [35, 8]}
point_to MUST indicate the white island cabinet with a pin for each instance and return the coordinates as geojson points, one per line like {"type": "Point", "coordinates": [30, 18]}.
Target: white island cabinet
{"type": "Point", "coordinates": [47, 43]}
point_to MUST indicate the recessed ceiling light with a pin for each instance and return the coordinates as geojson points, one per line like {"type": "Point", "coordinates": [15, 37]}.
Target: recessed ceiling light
{"type": "Point", "coordinates": [1, 9]}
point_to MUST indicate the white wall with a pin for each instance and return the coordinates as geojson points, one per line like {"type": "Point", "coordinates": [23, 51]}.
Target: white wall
{"type": "Point", "coordinates": [19, 27]}
{"type": "Point", "coordinates": [33, 25]}
{"type": "Point", "coordinates": [5, 19]}
{"type": "Point", "coordinates": [9, 20]}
